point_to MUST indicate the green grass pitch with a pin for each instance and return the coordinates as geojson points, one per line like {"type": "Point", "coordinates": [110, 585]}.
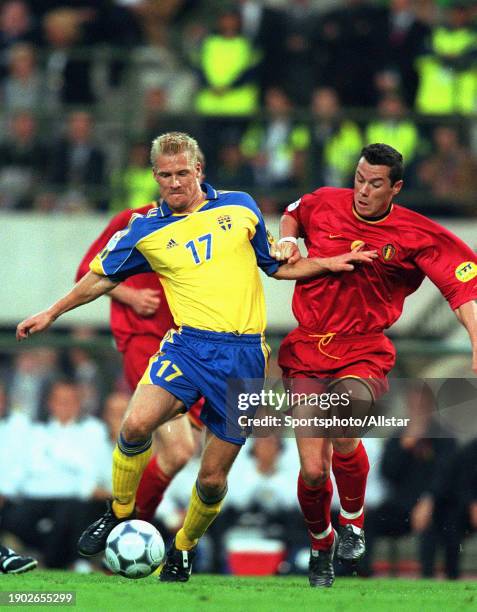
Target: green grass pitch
{"type": "Point", "coordinates": [97, 592]}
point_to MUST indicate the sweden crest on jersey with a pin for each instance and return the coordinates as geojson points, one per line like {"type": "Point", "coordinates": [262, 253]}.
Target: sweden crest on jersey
{"type": "Point", "coordinates": [225, 222]}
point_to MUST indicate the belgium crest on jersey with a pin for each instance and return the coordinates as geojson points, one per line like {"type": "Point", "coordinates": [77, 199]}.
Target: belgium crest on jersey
{"type": "Point", "coordinates": [388, 252]}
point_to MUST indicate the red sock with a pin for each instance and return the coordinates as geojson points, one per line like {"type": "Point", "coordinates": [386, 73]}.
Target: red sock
{"type": "Point", "coordinates": [315, 504]}
{"type": "Point", "coordinates": [351, 472]}
{"type": "Point", "coordinates": [151, 490]}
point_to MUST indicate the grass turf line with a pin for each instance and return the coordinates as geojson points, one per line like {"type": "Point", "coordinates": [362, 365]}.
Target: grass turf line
{"type": "Point", "coordinates": [97, 592]}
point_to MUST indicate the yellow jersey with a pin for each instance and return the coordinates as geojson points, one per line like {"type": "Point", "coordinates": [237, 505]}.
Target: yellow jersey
{"type": "Point", "coordinates": [207, 260]}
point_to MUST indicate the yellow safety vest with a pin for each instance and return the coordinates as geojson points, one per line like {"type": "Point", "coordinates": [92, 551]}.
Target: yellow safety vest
{"type": "Point", "coordinates": [442, 89]}
{"type": "Point", "coordinates": [132, 188]}
{"type": "Point", "coordinates": [298, 140]}
{"type": "Point", "coordinates": [223, 60]}
{"type": "Point", "coordinates": [402, 135]}
{"type": "Point", "coordinates": [342, 149]}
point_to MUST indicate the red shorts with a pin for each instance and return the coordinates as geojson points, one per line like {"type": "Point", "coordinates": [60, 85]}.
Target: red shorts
{"type": "Point", "coordinates": [136, 355]}
{"type": "Point", "coordinates": [327, 356]}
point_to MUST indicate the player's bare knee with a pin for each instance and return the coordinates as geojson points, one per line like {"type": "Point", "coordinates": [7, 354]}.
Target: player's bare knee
{"type": "Point", "coordinates": [135, 429]}
{"type": "Point", "coordinates": [355, 395]}
{"type": "Point", "coordinates": [212, 482]}
{"type": "Point", "coordinates": [345, 445]}
{"type": "Point", "coordinates": [315, 473]}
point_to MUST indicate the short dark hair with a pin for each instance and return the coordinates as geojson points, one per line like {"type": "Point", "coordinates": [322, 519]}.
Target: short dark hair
{"type": "Point", "coordinates": [379, 154]}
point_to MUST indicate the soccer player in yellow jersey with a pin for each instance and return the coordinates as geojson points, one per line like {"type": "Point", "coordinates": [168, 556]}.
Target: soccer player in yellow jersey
{"type": "Point", "coordinates": [206, 245]}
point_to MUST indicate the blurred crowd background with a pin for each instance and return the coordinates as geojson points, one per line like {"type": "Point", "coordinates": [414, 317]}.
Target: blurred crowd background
{"type": "Point", "coordinates": [281, 95]}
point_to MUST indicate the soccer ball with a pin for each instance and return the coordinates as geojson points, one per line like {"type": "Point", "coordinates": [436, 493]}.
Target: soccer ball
{"type": "Point", "coordinates": [134, 549]}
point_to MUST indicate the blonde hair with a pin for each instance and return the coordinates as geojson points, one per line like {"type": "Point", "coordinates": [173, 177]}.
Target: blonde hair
{"type": "Point", "coordinates": [174, 143]}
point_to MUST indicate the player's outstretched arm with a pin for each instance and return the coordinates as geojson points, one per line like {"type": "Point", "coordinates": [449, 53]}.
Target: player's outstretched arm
{"type": "Point", "coordinates": [310, 267]}
{"type": "Point", "coordinates": [467, 315]}
{"type": "Point", "coordinates": [86, 290]}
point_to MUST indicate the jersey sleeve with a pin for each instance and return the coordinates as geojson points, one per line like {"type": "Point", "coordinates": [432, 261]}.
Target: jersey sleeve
{"type": "Point", "coordinates": [261, 243]}
{"type": "Point", "coordinates": [120, 258]}
{"type": "Point", "coordinates": [300, 211]}
{"type": "Point", "coordinates": [450, 264]}
{"type": "Point", "coordinates": [116, 224]}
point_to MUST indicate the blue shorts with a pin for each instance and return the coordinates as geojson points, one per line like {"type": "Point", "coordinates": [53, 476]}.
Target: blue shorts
{"type": "Point", "coordinates": [193, 363]}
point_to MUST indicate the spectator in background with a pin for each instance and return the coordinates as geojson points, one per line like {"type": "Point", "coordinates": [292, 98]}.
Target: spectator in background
{"type": "Point", "coordinates": [157, 65]}
{"type": "Point", "coordinates": [16, 26]}
{"type": "Point", "coordinates": [68, 76]}
{"type": "Point", "coordinates": [153, 114]}
{"type": "Point", "coordinates": [23, 162]}
{"type": "Point", "coordinates": [134, 185]}
{"type": "Point", "coordinates": [405, 37]}
{"type": "Point", "coordinates": [276, 146]}
{"type": "Point", "coordinates": [393, 127]}
{"type": "Point", "coordinates": [45, 202]}
{"type": "Point", "coordinates": [104, 22]}
{"type": "Point", "coordinates": [101, 23]}
{"type": "Point", "coordinates": [78, 163]}
{"type": "Point", "coordinates": [227, 65]}
{"type": "Point", "coordinates": [232, 170]}
{"type": "Point", "coordinates": [155, 18]}
{"type": "Point", "coordinates": [263, 476]}
{"type": "Point", "coordinates": [335, 142]}
{"type": "Point", "coordinates": [117, 25]}
{"type": "Point", "coordinates": [418, 468]}
{"type": "Point", "coordinates": [15, 427]}
{"type": "Point", "coordinates": [157, 114]}
{"type": "Point", "coordinates": [447, 69]}
{"type": "Point", "coordinates": [349, 47]}
{"type": "Point", "coordinates": [467, 478]}
{"type": "Point", "coordinates": [85, 373]}
{"type": "Point", "coordinates": [60, 478]}
{"type": "Point", "coordinates": [22, 87]}
{"type": "Point", "coordinates": [265, 28]}
{"type": "Point", "coordinates": [33, 371]}
{"type": "Point", "coordinates": [449, 174]}
{"type": "Point", "coordinates": [40, 8]}
{"type": "Point", "coordinates": [13, 430]}
{"type": "Point", "coordinates": [295, 74]}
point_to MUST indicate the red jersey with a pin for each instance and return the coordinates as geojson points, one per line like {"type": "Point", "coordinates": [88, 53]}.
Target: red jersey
{"type": "Point", "coordinates": [371, 298]}
{"type": "Point", "coordinates": [125, 322]}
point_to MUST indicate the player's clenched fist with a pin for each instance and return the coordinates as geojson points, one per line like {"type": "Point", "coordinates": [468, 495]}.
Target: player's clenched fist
{"type": "Point", "coordinates": [146, 301]}
{"type": "Point", "coordinates": [33, 325]}
{"type": "Point", "coordinates": [285, 251]}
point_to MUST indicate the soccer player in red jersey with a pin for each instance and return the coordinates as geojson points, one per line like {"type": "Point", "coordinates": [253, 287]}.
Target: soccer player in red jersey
{"type": "Point", "coordinates": [341, 322]}
{"type": "Point", "coordinates": [140, 317]}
